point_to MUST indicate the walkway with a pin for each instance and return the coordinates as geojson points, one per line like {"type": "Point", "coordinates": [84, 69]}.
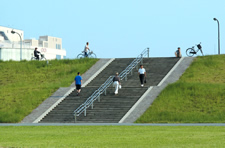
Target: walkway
{"type": "Point", "coordinates": [112, 124]}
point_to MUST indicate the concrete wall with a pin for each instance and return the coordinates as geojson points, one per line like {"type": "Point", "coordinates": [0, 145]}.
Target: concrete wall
{"type": "Point", "coordinates": [52, 53]}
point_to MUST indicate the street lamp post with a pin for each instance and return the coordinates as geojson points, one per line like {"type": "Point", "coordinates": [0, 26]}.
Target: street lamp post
{"type": "Point", "coordinates": [20, 43]}
{"type": "Point", "coordinates": [218, 34]}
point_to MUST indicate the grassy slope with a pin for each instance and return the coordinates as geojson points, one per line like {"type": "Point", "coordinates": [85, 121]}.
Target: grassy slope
{"type": "Point", "coordinates": [199, 95]}
{"type": "Point", "coordinates": [24, 85]}
{"type": "Point", "coordinates": [112, 136]}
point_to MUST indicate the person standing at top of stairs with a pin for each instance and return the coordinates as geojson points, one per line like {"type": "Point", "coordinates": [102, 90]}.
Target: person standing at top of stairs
{"type": "Point", "coordinates": [78, 81]}
{"type": "Point", "coordinates": [116, 83]}
{"type": "Point", "coordinates": [178, 53]}
{"type": "Point", "coordinates": [142, 74]}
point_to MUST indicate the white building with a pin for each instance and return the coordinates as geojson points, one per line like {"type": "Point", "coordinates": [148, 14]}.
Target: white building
{"type": "Point", "coordinates": [6, 35]}
{"type": "Point", "coordinates": [51, 47]}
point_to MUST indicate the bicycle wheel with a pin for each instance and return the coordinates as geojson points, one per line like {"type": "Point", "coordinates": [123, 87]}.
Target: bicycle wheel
{"type": "Point", "coordinates": [43, 59]}
{"type": "Point", "coordinates": [33, 58]}
{"type": "Point", "coordinates": [93, 55]}
{"type": "Point", "coordinates": [190, 52]}
{"type": "Point", "coordinates": [79, 56]}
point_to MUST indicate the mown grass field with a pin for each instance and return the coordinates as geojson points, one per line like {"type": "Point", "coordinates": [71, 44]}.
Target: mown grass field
{"type": "Point", "coordinates": [198, 97]}
{"type": "Point", "coordinates": [113, 136]}
{"type": "Point", "coordinates": [26, 84]}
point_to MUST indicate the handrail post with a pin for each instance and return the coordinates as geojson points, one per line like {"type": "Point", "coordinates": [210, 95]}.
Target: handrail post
{"type": "Point", "coordinates": [99, 98]}
{"type": "Point", "coordinates": [141, 58]}
{"type": "Point", "coordinates": [126, 77]}
{"type": "Point", "coordinates": [75, 117]}
{"type": "Point", "coordinates": [131, 72]}
{"type": "Point", "coordinates": [148, 52]}
{"type": "Point", "coordinates": [85, 110]}
{"type": "Point", "coordinates": [105, 92]}
{"type": "Point", "coordinates": [92, 105]}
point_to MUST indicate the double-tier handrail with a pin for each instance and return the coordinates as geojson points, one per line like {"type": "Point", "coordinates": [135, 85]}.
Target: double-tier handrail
{"type": "Point", "coordinates": [133, 64]}
{"type": "Point", "coordinates": [102, 89]}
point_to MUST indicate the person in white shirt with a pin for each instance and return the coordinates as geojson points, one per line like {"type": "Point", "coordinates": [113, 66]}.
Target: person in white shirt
{"type": "Point", "coordinates": [116, 83]}
{"type": "Point", "coordinates": [142, 74]}
{"type": "Point", "coordinates": [86, 48]}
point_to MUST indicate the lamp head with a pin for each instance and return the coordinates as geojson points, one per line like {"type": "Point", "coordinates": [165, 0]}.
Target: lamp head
{"type": "Point", "coordinates": [214, 19]}
{"type": "Point", "coordinates": [13, 32]}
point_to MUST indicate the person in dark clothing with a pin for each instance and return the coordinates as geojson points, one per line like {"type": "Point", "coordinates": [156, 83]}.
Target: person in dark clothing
{"type": "Point", "coordinates": [36, 53]}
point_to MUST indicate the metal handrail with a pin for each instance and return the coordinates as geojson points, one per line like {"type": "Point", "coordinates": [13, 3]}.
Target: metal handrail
{"type": "Point", "coordinates": [102, 89]}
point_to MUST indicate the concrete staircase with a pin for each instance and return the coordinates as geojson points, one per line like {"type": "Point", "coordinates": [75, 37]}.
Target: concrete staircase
{"type": "Point", "coordinates": [112, 107]}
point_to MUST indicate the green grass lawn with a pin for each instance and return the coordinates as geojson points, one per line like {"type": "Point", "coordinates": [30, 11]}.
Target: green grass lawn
{"type": "Point", "coordinates": [198, 97]}
{"type": "Point", "coordinates": [112, 136]}
{"type": "Point", "coordinates": [26, 84]}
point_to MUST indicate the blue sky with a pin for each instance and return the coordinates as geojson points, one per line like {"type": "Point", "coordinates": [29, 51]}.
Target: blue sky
{"type": "Point", "coordinates": [120, 28]}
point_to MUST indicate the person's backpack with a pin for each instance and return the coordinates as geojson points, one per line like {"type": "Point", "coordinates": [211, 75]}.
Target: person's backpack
{"type": "Point", "coordinates": [199, 46]}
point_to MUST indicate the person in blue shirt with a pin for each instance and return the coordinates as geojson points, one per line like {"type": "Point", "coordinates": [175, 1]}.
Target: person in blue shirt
{"type": "Point", "coordinates": [78, 82]}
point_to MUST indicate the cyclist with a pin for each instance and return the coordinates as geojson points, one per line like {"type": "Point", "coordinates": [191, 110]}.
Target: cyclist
{"type": "Point", "coordinates": [36, 53]}
{"type": "Point", "coordinates": [178, 53]}
{"type": "Point", "coordinates": [86, 48]}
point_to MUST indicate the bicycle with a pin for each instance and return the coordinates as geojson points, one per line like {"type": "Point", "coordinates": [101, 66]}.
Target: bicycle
{"type": "Point", "coordinates": [191, 51]}
{"type": "Point", "coordinates": [40, 59]}
{"type": "Point", "coordinates": [91, 54]}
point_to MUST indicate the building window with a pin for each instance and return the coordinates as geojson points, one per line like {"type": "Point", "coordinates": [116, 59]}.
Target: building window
{"type": "Point", "coordinates": [57, 46]}
{"type": "Point", "coordinates": [58, 57]}
{"type": "Point", "coordinates": [64, 57]}
{"type": "Point", "coordinates": [46, 45]}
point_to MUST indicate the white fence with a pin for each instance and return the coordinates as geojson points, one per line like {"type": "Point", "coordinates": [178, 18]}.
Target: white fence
{"type": "Point", "coordinates": [9, 44]}
{"type": "Point", "coordinates": [7, 54]}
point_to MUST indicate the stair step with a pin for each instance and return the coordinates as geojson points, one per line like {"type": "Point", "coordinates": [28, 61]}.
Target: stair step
{"type": "Point", "coordinates": [112, 107]}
